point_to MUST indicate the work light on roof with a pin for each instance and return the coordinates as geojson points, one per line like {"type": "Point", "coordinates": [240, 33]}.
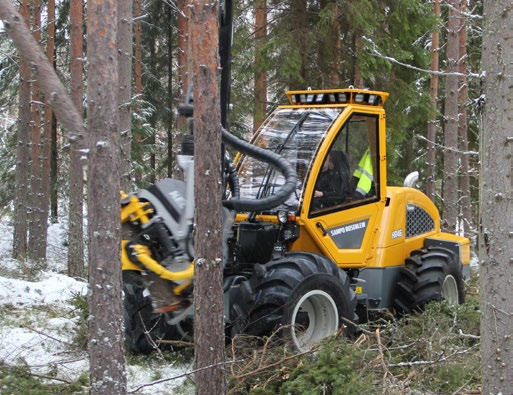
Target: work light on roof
{"type": "Point", "coordinates": [337, 96]}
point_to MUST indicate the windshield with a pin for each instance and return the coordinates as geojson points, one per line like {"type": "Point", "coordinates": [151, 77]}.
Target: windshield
{"type": "Point", "coordinates": [295, 134]}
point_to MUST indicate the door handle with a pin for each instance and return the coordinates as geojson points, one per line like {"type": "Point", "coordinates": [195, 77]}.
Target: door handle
{"type": "Point", "coordinates": [319, 225]}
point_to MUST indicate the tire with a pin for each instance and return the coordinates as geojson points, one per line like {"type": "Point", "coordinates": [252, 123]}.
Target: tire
{"type": "Point", "coordinates": [143, 327]}
{"type": "Point", "coordinates": [429, 274]}
{"type": "Point", "coordinates": [304, 295]}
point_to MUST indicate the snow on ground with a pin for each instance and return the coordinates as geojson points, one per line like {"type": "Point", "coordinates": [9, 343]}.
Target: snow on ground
{"type": "Point", "coordinates": [38, 321]}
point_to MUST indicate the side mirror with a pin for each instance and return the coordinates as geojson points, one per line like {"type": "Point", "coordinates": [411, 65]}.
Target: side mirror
{"type": "Point", "coordinates": [411, 179]}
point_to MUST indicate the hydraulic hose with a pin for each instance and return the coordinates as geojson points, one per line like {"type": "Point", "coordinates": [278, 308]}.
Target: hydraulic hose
{"type": "Point", "coordinates": [275, 160]}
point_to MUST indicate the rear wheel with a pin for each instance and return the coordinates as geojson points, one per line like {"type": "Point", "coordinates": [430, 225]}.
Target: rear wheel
{"type": "Point", "coordinates": [306, 296]}
{"type": "Point", "coordinates": [429, 274]}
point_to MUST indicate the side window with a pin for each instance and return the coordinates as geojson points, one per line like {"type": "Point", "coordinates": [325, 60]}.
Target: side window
{"type": "Point", "coordinates": [349, 174]}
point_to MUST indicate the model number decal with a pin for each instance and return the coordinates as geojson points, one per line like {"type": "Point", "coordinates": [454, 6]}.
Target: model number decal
{"type": "Point", "coordinates": [397, 233]}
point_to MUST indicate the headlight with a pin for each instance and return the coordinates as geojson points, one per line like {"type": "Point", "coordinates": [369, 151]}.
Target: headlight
{"type": "Point", "coordinates": [282, 217]}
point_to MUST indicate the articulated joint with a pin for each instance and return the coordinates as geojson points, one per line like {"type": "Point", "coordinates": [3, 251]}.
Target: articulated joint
{"type": "Point", "coordinates": [141, 254]}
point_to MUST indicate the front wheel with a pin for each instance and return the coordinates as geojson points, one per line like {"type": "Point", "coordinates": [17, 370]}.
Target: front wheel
{"type": "Point", "coordinates": [305, 296]}
{"type": "Point", "coordinates": [143, 328]}
{"type": "Point", "coordinates": [429, 274]}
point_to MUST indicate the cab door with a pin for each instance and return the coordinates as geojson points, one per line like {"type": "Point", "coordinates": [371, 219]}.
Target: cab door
{"type": "Point", "coordinates": [346, 231]}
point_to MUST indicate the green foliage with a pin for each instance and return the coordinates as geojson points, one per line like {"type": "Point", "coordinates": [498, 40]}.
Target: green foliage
{"type": "Point", "coordinates": [436, 352]}
{"type": "Point", "coordinates": [339, 368]}
{"type": "Point", "coordinates": [20, 380]}
{"type": "Point", "coordinates": [81, 304]}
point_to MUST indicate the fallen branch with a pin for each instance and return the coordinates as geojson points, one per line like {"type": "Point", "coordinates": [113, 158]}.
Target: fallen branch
{"type": "Point", "coordinates": [421, 363]}
{"type": "Point", "coordinates": [46, 335]}
{"type": "Point", "coordinates": [132, 391]}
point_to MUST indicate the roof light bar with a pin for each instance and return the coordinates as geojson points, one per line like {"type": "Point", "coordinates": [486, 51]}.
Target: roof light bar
{"type": "Point", "coordinates": [337, 96]}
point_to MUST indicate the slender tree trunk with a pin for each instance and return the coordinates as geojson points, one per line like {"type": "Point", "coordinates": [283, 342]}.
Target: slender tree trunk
{"type": "Point", "coordinates": [208, 289]}
{"type": "Point", "coordinates": [37, 224]}
{"type": "Point", "coordinates": [433, 122]}
{"type": "Point", "coordinates": [169, 118]}
{"type": "Point", "coordinates": [181, 58]}
{"type": "Point", "coordinates": [54, 160]}
{"type": "Point", "coordinates": [76, 181]}
{"type": "Point", "coordinates": [48, 122]}
{"type": "Point", "coordinates": [138, 80]}
{"type": "Point", "coordinates": [450, 185]}
{"type": "Point", "coordinates": [20, 241]}
{"type": "Point", "coordinates": [300, 25]}
{"type": "Point", "coordinates": [125, 89]}
{"type": "Point", "coordinates": [496, 196]}
{"type": "Point", "coordinates": [358, 43]}
{"type": "Point", "coordinates": [106, 343]}
{"type": "Point", "coordinates": [260, 99]}
{"type": "Point", "coordinates": [465, 202]}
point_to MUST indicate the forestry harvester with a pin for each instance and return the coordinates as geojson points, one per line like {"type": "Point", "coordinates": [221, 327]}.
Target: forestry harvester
{"type": "Point", "coordinates": [302, 255]}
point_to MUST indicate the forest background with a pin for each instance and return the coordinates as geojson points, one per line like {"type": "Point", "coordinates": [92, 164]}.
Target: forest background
{"type": "Point", "coordinates": [426, 56]}
{"type": "Point", "coordinates": [402, 47]}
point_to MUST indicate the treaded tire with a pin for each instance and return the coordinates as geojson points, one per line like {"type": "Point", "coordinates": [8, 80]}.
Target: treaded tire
{"type": "Point", "coordinates": [143, 327]}
{"type": "Point", "coordinates": [429, 274]}
{"type": "Point", "coordinates": [301, 290]}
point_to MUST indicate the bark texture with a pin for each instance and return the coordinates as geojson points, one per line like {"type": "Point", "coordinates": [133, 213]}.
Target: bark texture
{"type": "Point", "coordinates": [433, 121]}
{"type": "Point", "coordinates": [496, 235]}
{"type": "Point", "coordinates": [208, 289]}
{"type": "Point", "coordinates": [125, 89]}
{"type": "Point", "coordinates": [76, 181]}
{"type": "Point", "coordinates": [106, 335]}
{"type": "Point", "coordinates": [260, 100]}
{"type": "Point", "coordinates": [20, 237]}
{"type": "Point", "coordinates": [451, 113]}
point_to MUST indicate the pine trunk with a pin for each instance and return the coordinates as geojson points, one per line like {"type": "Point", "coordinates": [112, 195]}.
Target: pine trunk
{"type": "Point", "coordinates": [46, 147]}
{"type": "Point", "coordinates": [466, 209]}
{"type": "Point", "coordinates": [37, 224]}
{"type": "Point", "coordinates": [450, 154]}
{"type": "Point", "coordinates": [20, 240]}
{"type": "Point", "coordinates": [125, 90]}
{"type": "Point", "coordinates": [76, 182]}
{"type": "Point", "coordinates": [433, 123]}
{"type": "Point", "coordinates": [260, 99]}
{"type": "Point", "coordinates": [496, 194]}
{"type": "Point", "coordinates": [106, 343]}
{"type": "Point", "coordinates": [208, 289]}
{"type": "Point", "coordinates": [137, 80]}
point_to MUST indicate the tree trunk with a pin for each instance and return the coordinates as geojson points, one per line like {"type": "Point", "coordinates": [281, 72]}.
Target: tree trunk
{"type": "Point", "coordinates": [260, 99]}
{"type": "Point", "coordinates": [433, 123]}
{"type": "Point", "coordinates": [20, 241]}
{"type": "Point", "coordinates": [182, 60]}
{"type": "Point", "coordinates": [169, 118]}
{"type": "Point", "coordinates": [496, 193]}
{"type": "Point", "coordinates": [298, 9]}
{"type": "Point", "coordinates": [37, 224]}
{"type": "Point", "coordinates": [208, 289]}
{"type": "Point", "coordinates": [137, 79]}
{"type": "Point", "coordinates": [450, 154]}
{"type": "Point", "coordinates": [125, 89]}
{"type": "Point", "coordinates": [465, 202]}
{"type": "Point", "coordinates": [48, 121]}
{"type": "Point", "coordinates": [76, 181]}
{"type": "Point", "coordinates": [106, 344]}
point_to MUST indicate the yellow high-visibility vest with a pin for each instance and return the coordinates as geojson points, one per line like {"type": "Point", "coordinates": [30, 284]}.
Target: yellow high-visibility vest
{"type": "Point", "coordinates": [364, 173]}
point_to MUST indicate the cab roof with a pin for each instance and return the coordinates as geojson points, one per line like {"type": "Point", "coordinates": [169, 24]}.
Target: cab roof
{"type": "Point", "coordinates": [337, 96]}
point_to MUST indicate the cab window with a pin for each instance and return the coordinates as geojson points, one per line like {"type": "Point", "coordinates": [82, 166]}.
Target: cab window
{"type": "Point", "coordinates": [349, 175]}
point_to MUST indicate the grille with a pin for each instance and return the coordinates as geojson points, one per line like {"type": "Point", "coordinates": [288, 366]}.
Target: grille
{"type": "Point", "coordinates": [418, 221]}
